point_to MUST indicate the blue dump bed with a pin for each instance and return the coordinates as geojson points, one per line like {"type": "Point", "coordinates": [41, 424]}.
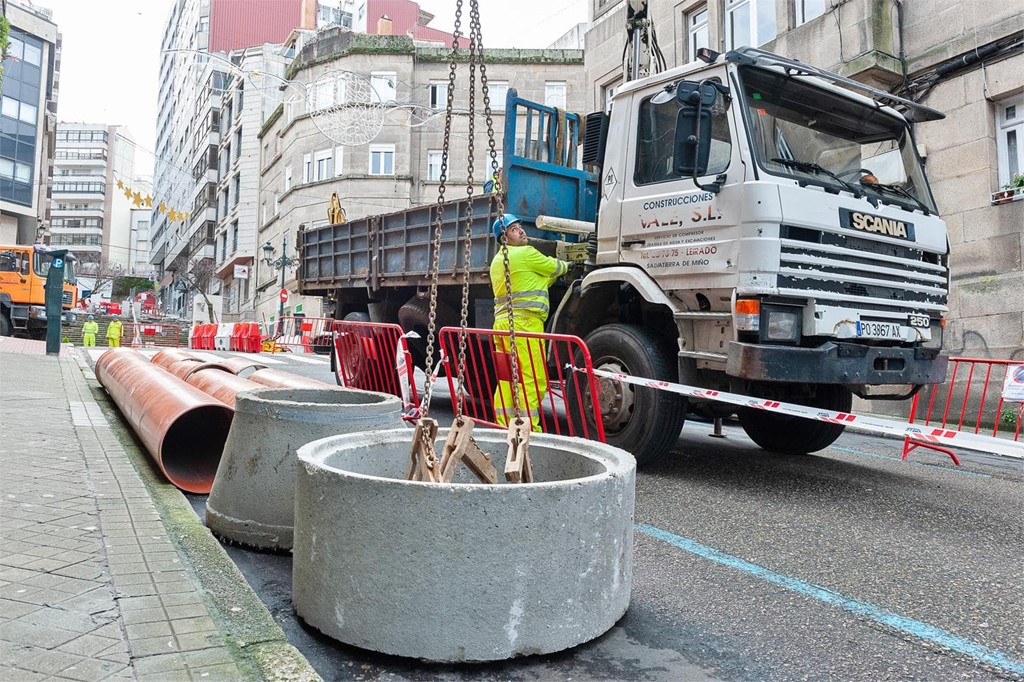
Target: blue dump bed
{"type": "Point", "coordinates": [396, 249]}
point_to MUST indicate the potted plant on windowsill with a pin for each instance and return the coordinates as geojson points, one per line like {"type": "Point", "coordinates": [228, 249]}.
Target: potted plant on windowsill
{"type": "Point", "coordinates": [1014, 188]}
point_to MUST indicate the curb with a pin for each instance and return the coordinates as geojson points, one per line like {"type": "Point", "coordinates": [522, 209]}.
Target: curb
{"type": "Point", "coordinates": [256, 642]}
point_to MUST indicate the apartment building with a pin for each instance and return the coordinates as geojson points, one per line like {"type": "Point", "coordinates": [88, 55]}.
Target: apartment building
{"type": "Point", "coordinates": [90, 213]}
{"type": "Point", "coordinates": [301, 167]}
{"type": "Point", "coordinates": [195, 67]}
{"type": "Point", "coordinates": [28, 107]}
{"type": "Point", "coordinates": [245, 106]}
{"type": "Point", "coordinates": [947, 54]}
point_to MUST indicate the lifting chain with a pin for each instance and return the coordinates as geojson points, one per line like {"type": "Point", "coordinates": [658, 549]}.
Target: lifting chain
{"type": "Point", "coordinates": [460, 446]}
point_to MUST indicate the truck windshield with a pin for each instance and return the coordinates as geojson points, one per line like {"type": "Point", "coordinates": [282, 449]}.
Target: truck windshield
{"type": "Point", "coordinates": [804, 131]}
{"type": "Point", "coordinates": [42, 266]}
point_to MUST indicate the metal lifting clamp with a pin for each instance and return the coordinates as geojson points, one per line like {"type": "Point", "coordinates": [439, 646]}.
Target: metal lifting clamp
{"type": "Point", "coordinates": [423, 465]}
{"type": "Point", "coordinates": [461, 447]}
{"type": "Point", "coordinates": [517, 464]}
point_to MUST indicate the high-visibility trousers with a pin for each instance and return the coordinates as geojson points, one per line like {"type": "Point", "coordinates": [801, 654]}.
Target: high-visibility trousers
{"type": "Point", "coordinates": [88, 339]}
{"type": "Point", "coordinates": [533, 374]}
{"type": "Point", "coordinates": [114, 341]}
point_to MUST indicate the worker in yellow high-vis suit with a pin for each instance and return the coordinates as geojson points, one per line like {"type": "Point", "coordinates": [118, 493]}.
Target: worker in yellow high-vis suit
{"type": "Point", "coordinates": [115, 331]}
{"type": "Point", "coordinates": [531, 274]}
{"type": "Point", "coordinates": [89, 331]}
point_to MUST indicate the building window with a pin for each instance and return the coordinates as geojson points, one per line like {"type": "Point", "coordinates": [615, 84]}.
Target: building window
{"type": "Point", "coordinates": [554, 94]}
{"type": "Point", "coordinates": [496, 92]}
{"type": "Point", "coordinates": [238, 189]}
{"type": "Point", "coordinates": [382, 159]}
{"type": "Point", "coordinates": [234, 237]}
{"type": "Point", "coordinates": [385, 85]}
{"type": "Point", "coordinates": [307, 168]}
{"type": "Point", "coordinates": [608, 94]}
{"type": "Point", "coordinates": [808, 9]}
{"type": "Point", "coordinates": [438, 94]}
{"type": "Point", "coordinates": [749, 22]}
{"type": "Point", "coordinates": [696, 32]}
{"type": "Point", "coordinates": [323, 164]}
{"type": "Point", "coordinates": [338, 153]}
{"type": "Point", "coordinates": [433, 166]}
{"type": "Point", "coordinates": [287, 178]}
{"type": "Point", "coordinates": [1010, 138]}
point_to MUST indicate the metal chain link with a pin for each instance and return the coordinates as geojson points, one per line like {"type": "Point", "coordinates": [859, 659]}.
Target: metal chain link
{"type": "Point", "coordinates": [475, 31]}
{"type": "Point", "coordinates": [439, 219]}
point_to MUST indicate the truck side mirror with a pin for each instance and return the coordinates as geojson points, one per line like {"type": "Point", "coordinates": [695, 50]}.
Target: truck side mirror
{"type": "Point", "coordinates": [693, 130]}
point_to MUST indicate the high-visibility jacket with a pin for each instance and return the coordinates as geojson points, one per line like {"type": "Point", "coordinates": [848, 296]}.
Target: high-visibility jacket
{"type": "Point", "coordinates": [114, 330]}
{"type": "Point", "coordinates": [531, 274]}
{"type": "Point", "coordinates": [90, 327]}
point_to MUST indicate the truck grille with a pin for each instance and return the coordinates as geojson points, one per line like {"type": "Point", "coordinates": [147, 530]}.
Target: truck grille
{"type": "Point", "coordinates": [830, 266]}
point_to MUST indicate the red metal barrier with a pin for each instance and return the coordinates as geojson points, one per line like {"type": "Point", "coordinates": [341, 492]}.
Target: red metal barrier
{"type": "Point", "coordinates": [305, 334]}
{"type": "Point", "coordinates": [568, 407]}
{"type": "Point", "coordinates": [375, 357]}
{"type": "Point", "coordinates": [153, 335]}
{"type": "Point", "coordinates": [975, 404]}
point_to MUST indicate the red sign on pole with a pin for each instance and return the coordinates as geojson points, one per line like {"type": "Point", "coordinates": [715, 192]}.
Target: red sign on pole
{"type": "Point", "coordinates": [284, 295]}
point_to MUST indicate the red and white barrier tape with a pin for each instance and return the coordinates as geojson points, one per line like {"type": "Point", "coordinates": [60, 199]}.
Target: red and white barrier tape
{"type": "Point", "coordinates": [930, 434]}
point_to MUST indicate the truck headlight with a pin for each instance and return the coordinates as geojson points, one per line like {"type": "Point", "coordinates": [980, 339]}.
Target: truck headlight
{"type": "Point", "coordinates": [781, 324]}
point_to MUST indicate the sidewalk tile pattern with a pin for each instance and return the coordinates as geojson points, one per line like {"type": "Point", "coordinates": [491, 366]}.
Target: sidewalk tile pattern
{"type": "Point", "coordinates": [91, 588]}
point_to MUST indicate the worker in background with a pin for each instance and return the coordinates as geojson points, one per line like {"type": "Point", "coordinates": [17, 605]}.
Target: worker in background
{"type": "Point", "coordinates": [493, 185]}
{"type": "Point", "coordinates": [530, 273]}
{"type": "Point", "coordinates": [115, 331]}
{"type": "Point", "coordinates": [89, 331]}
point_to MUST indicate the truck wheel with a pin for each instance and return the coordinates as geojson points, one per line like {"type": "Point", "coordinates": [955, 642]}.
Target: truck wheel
{"type": "Point", "coordinates": [5, 325]}
{"type": "Point", "coordinates": [414, 316]}
{"type": "Point", "coordinates": [796, 435]}
{"type": "Point", "coordinates": [643, 421]}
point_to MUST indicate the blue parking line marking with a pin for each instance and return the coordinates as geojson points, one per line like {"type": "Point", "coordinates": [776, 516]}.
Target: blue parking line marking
{"type": "Point", "coordinates": [906, 625]}
{"type": "Point", "coordinates": [953, 470]}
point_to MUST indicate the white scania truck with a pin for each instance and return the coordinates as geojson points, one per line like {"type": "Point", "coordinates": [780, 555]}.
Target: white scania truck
{"type": "Point", "coordinates": [758, 225]}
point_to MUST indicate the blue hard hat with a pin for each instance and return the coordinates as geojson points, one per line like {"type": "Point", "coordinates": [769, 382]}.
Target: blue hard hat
{"type": "Point", "coordinates": [506, 220]}
{"type": "Point", "coordinates": [90, 317]}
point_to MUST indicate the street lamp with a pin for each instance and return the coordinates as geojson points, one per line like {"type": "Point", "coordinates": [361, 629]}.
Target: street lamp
{"type": "Point", "coordinates": [282, 263]}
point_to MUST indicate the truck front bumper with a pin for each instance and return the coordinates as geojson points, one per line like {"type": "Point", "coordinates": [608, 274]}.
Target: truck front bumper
{"type": "Point", "coordinates": [836, 363]}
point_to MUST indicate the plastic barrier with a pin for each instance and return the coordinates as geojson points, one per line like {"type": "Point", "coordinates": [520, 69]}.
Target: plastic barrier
{"type": "Point", "coordinates": [208, 336]}
{"type": "Point", "coordinates": [152, 335]}
{"type": "Point", "coordinates": [975, 404]}
{"type": "Point", "coordinates": [305, 334]}
{"type": "Point", "coordinates": [254, 338]}
{"type": "Point", "coordinates": [222, 341]}
{"type": "Point", "coordinates": [375, 357]}
{"type": "Point", "coordinates": [568, 406]}
{"type": "Point", "coordinates": [236, 336]}
{"type": "Point", "coordinates": [193, 339]}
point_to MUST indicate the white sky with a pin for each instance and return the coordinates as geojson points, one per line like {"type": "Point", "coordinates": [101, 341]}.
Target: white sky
{"type": "Point", "coordinates": [111, 61]}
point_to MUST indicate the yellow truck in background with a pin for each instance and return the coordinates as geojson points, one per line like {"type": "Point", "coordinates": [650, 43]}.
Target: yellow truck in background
{"type": "Point", "coordinates": [23, 270]}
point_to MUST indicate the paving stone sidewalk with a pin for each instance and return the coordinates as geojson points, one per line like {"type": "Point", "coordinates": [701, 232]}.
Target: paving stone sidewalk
{"type": "Point", "coordinates": [91, 584]}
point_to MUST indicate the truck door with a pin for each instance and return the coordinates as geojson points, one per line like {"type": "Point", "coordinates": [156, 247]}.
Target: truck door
{"type": "Point", "coordinates": [680, 234]}
{"type": "Point", "coordinates": [16, 274]}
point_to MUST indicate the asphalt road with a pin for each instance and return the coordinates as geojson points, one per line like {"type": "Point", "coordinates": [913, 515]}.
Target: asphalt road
{"type": "Point", "coordinates": [844, 565]}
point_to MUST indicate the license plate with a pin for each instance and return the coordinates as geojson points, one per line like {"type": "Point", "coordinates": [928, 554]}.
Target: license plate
{"type": "Point", "coordinates": [879, 330]}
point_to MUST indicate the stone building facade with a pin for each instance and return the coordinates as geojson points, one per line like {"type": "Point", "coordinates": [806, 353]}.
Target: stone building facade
{"type": "Point", "coordinates": [964, 59]}
{"type": "Point", "coordinates": [399, 167]}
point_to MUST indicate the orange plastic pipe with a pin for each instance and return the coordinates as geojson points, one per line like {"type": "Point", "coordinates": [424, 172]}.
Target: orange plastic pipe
{"type": "Point", "coordinates": [182, 428]}
{"type": "Point", "coordinates": [275, 378]}
{"type": "Point", "coordinates": [166, 358]}
{"type": "Point", "coordinates": [223, 386]}
{"type": "Point", "coordinates": [183, 369]}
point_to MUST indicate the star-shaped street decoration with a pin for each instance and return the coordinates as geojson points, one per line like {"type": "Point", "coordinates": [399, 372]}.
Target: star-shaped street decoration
{"type": "Point", "coordinates": [127, 192]}
{"type": "Point", "coordinates": [120, 184]}
{"type": "Point", "coordinates": [162, 207]}
{"type": "Point", "coordinates": [148, 201]}
{"type": "Point", "coordinates": [136, 199]}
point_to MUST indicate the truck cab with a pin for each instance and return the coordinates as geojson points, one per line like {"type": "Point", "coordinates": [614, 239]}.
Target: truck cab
{"type": "Point", "coordinates": [765, 228]}
{"type": "Point", "coordinates": [23, 270]}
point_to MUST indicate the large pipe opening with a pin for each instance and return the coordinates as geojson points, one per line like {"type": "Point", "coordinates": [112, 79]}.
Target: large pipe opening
{"type": "Point", "coordinates": [192, 446]}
